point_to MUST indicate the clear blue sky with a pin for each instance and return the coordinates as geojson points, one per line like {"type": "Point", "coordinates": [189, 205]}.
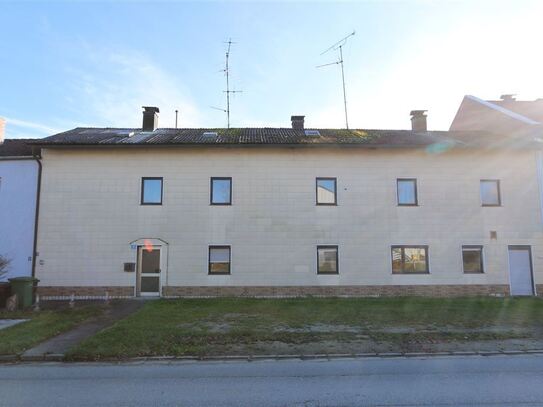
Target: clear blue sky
{"type": "Point", "coordinates": [68, 64]}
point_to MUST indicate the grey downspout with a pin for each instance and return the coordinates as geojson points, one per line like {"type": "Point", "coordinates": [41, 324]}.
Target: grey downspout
{"type": "Point", "coordinates": [37, 157]}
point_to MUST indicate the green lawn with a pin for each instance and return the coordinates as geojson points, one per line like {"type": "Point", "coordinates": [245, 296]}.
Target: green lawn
{"type": "Point", "coordinates": [250, 326]}
{"type": "Point", "coordinates": [41, 326]}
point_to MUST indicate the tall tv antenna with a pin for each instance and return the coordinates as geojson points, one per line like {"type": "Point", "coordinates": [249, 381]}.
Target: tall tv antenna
{"type": "Point", "coordinates": [339, 46]}
{"type": "Point", "coordinates": [226, 71]}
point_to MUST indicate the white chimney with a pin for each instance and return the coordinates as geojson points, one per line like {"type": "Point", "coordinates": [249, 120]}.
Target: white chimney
{"type": "Point", "coordinates": [2, 129]}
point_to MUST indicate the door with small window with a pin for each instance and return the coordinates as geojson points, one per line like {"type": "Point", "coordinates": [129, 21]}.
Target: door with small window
{"type": "Point", "coordinates": [149, 274]}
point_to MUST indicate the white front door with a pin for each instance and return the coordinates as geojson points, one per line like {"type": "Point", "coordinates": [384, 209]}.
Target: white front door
{"type": "Point", "coordinates": [520, 270]}
{"type": "Point", "coordinates": [148, 275]}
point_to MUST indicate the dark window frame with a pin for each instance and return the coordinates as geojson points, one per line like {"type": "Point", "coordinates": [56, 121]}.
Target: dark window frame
{"type": "Point", "coordinates": [498, 184]}
{"type": "Point", "coordinates": [403, 247]}
{"type": "Point", "coordinates": [398, 180]}
{"type": "Point", "coordinates": [142, 195]}
{"type": "Point", "coordinates": [333, 273]}
{"type": "Point", "coordinates": [209, 272]}
{"type": "Point", "coordinates": [211, 191]}
{"type": "Point", "coordinates": [482, 262]}
{"type": "Point", "coordinates": [317, 191]}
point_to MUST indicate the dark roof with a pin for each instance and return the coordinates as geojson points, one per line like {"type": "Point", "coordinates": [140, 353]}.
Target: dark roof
{"type": "Point", "coordinates": [16, 148]}
{"type": "Point", "coordinates": [83, 136]}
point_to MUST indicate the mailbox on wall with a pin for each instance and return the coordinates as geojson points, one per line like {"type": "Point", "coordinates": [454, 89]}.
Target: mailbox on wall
{"type": "Point", "coordinates": [129, 267]}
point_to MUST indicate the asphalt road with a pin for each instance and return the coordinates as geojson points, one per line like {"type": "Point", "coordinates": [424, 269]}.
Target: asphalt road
{"type": "Point", "coordinates": [436, 381]}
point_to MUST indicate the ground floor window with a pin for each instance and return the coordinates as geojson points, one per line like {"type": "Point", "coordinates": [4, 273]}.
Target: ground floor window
{"type": "Point", "coordinates": [327, 260]}
{"type": "Point", "coordinates": [219, 260]}
{"type": "Point", "coordinates": [410, 260]}
{"type": "Point", "coordinates": [472, 259]}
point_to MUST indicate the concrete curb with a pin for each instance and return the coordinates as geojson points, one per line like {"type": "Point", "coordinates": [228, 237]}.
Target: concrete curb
{"type": "Point", "coordinates": [336, 356]}
{"type": "Point", "coordinates": [59, 357]}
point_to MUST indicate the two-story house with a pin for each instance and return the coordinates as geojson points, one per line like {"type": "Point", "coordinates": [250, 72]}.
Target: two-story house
{"type": "Point", "coordinates": [288, 211]}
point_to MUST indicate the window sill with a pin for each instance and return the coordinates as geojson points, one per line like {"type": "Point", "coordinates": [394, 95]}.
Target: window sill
{"type": "Point", "coordinates": [220, 204]}
{"type": "Point", "coordinates": [490, 206]}
{"type": "Point", "coordinates": [150, 204]}
{"type": "Point", "coordinates": [218, 274]}
{"type": "Point", "coordinates": [474, 272]}
{"type": "Point", "coordinates": [408, 204]}
{"type": "Point", "coordinates": [327, 274]}
{"type": "Point", "coordinates": [326, 204]}
{"type": "Point", "coordinates": [418, 273]}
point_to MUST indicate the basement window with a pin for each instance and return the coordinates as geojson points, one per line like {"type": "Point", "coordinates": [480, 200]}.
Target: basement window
{"type": "Point", "coordinates": [151, 191]}
{"type": "Point", "coordinates": [490, 192]}
{"type": "Point", "coordinates": [219, 260]}
{"type": "Point", "coordinates": [327, 260]}
{"type": "Point", "coordinates": [472, 259]}
{"type": "Point", "coordinates": [410, 260]}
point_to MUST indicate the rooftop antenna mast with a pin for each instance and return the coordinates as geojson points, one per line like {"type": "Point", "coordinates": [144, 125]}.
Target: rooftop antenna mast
{"type": "Point", "coordinates": [339, 46]}
{"type": "Point", "coordinates": [226, 71]}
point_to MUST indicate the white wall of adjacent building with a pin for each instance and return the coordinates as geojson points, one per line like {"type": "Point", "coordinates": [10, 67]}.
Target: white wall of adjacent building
{"type": "Point", "coordinates": [91, 212]}
{"type": "Point", "coordinates": [18, 180]}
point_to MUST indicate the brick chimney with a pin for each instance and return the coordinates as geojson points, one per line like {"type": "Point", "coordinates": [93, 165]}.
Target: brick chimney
{"type": "Point", "coordinates": [150, 118]}
{"type": "Point", "coordinates": [297, 122]}
{"type": "Point", "coordinates": [418, 120]}
{"type": "Point", "coordinates": [2, 129]}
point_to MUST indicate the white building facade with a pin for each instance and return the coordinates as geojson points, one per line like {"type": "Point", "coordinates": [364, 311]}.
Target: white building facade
{"type": "Point", "coordinates": [401, 213]}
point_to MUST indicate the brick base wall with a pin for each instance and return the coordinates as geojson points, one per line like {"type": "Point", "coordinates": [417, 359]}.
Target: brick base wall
{"type": "Point", "coordinates": [286, 291]}
{"type": "Point", "coordinates": [85, 291]}
{"type": "Point", "coordinates": [331, 291]}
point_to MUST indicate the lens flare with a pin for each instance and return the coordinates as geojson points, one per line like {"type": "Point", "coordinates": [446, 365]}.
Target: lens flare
{"type": "Point", "coordinates": [148, 245]}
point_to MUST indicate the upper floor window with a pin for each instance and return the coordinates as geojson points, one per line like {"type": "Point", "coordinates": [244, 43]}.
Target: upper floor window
{"type": "Point", "coordinates": [490, 192]}
{"type": "Point", "coordinates": [407, 191]}
{"type": "Point", "coordinates": [221, 191]}
{"type": "Point", "coordinates": [472, 259]}
{"type": "Point", "coordinates": [326, 191]}
{"type": "Point", "coordinates": [327, 260]}
{"type": "Point", "coordinates": [219, 260]}
{"type": "Point", "coordinates": [410, 260]}
{"type": "Point", "coordinates": [151, 191]}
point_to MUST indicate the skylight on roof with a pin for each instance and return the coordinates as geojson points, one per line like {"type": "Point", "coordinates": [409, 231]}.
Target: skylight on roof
{"type": "Point", "coordinates": [209, 134]}
{"type": "Point", "coordinates": [312, 133]}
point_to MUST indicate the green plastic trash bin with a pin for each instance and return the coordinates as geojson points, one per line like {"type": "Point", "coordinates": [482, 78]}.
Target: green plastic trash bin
{"type": "Point", "coordinates": [24, 288]}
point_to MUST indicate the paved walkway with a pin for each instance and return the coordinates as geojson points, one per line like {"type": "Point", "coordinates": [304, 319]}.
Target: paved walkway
{"type": "Point", "coordinates": [60, 344]}
{"type": "Point", "coordinates": [6, 323]}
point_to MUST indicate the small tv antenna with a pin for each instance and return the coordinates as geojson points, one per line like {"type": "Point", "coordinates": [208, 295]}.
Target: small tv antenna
{"type": "Point", "coordinates": [226, 71]}
{"type": "Point", "coordinates": [339, 46]}
{"type": "Point", "coordinates": [176, 112]}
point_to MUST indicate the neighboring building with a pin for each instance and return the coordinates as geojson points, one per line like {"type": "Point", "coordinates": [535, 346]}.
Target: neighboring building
{"type": "Point", "coordinates": [288, 211]}
{"type": "Point", "coordinates": [520, 119]}
{"type": "Point", "coordinates": [506, 115]}
{"type": "Point", "coordinates": [18, 189]}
